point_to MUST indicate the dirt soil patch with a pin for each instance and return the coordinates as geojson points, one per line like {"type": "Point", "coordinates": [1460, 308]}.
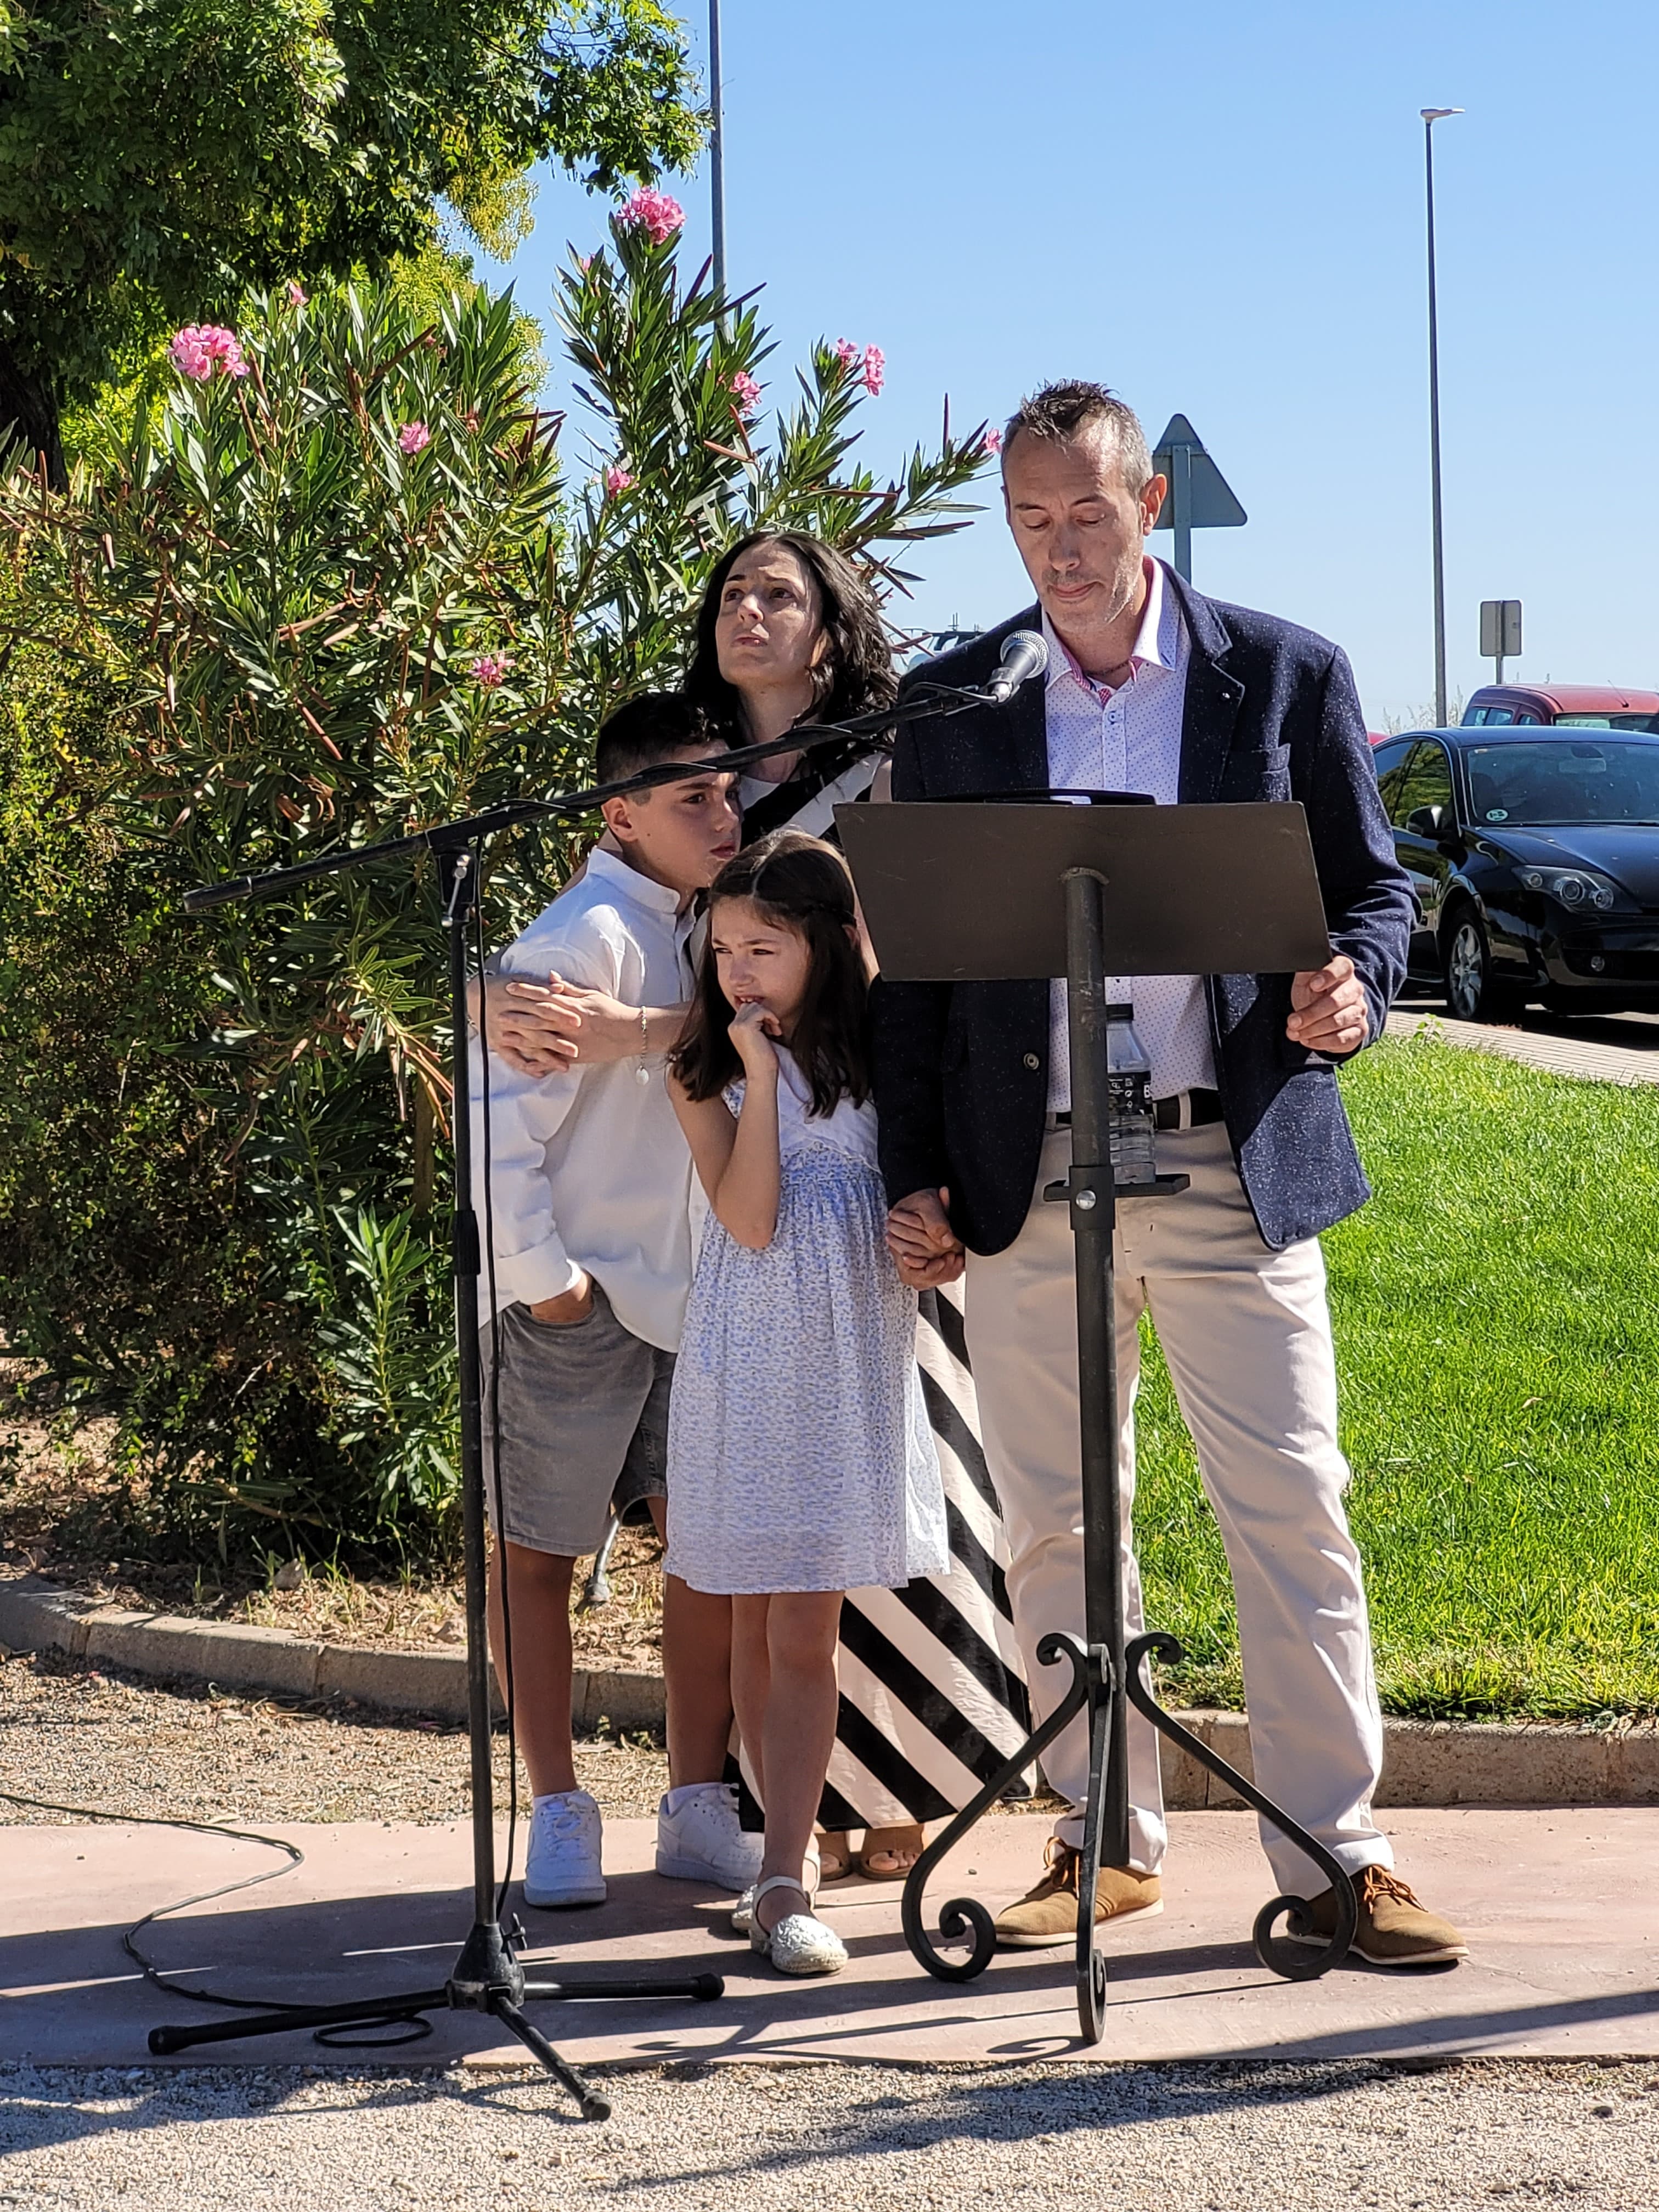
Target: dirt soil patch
{"type": "Point", "coordinates": [62, 1519]}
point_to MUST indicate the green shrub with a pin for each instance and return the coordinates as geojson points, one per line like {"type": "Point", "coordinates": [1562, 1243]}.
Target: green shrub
{"type": "Point", "coordinates": [282, 614]}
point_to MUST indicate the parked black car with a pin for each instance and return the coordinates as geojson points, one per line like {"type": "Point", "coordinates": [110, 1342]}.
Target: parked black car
{"type": "Point", "coordinates": [1534, 854]}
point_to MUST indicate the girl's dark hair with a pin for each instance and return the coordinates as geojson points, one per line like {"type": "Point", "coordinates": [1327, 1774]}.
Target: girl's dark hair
{"type": "Point", "coordinates": [855, 673]}
{"type": "Point", "coordinates": [797, 883]}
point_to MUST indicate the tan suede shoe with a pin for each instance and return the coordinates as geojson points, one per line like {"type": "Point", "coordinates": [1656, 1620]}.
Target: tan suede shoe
{"type": "Point", "coordinates": [1048, 1914]}
{"type": "Point", "coordinates": [1394, 1930]}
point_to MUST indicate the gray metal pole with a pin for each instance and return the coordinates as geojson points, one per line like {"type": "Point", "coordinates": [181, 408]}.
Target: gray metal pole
{"type": "Point", "coordinates": [716, 149]}
{"type": "Point", "coordinates": [1430, 117]}
{"type": "Point", "coordinates": [1181, 508]}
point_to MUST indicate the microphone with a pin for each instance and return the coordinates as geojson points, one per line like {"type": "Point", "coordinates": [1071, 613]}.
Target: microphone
{"type": "Point", "coordinates": [1023, 656]}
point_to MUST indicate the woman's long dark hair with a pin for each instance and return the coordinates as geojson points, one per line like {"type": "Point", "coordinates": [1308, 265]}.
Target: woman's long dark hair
{"type": "Point", "coordinates": [853, 674]}
{"type": "Point", "coordinates": [798, 883]}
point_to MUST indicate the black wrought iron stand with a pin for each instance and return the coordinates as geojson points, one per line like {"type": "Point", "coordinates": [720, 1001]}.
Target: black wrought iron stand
{"type": "Point", "coordinates": [1106, 1679]}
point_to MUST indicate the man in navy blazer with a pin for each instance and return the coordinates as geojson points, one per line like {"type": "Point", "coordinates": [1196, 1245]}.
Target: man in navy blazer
{"type": "Point", "coordinates": [1151, 687]}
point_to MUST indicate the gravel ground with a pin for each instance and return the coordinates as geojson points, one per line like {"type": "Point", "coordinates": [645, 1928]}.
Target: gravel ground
{"type": "Point", "coordinates": [892, 2139]}
{"type": "Point", "coordinates": [122, 1743]}
{"type": "Point", "coordinates": [103, 1738]}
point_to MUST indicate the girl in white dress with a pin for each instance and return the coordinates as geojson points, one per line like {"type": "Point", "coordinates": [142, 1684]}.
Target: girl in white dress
{"type": "Point", "coordinates": [800, 1459]}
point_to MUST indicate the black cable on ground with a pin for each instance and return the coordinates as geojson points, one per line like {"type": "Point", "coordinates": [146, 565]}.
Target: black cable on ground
{"type": "Point", "coordinates": [157, 1976]}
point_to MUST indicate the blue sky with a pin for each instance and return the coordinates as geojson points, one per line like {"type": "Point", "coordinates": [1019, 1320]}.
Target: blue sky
{"type": "Point", "coordinates": [1219, 209]}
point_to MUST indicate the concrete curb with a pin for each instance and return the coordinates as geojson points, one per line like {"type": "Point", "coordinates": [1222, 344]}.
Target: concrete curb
{"type": "Point", "coordinates": [1426, 1762]}
{"type": "Point", "coordinates": [1442, 1762]}
{"type": "Point", "coordinates": [1554, 1055]}
{"type": "Point", "coordinates": [36, 1615]}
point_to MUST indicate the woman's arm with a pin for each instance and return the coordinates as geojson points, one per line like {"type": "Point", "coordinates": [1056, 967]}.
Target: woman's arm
{"type": "Point", "coordinates": [541, 1029]}
{"type": "Point", "coordinates": [736, 1160]}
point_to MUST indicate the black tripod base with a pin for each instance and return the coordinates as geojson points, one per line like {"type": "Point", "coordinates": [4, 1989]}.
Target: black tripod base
{"type": "Point", "coordinates": [488, 1977]}
{"type": "Point", "coordinates": [1094, 1690]}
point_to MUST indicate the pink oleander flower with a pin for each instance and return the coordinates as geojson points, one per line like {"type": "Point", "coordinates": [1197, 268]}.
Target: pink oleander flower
{"type": "Point", "coordinates": [992, 441]}
{"type": "Point", "coordinates": [875, 369]}
{"type": "Point", "coordinates": [845, 352]}
{"type": "Point", "coordinates": [618, 479]}
{"type": "Point", "coordinates": [489, 668]}
{"type": "Point", "coordinates": [653, 212]}
{"type": "Point", "coordinates": [200, 348]}
{"type": "Point", "coordinates": [745, 392]}
{"type": "Point", "coordinates": [414, 438]}
{"type": "Point", "coordinates": [297, 294]}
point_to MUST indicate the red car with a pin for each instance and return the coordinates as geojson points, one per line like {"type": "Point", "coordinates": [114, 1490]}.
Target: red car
{"type": "Point", "coordinates": [1571, 706]}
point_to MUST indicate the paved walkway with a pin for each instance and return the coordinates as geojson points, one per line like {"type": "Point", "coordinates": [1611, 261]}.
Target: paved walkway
{"type": "Point", "coordinates": [1568, 1055]}
{"type": "Point", "coordinates": [1560, 1910]}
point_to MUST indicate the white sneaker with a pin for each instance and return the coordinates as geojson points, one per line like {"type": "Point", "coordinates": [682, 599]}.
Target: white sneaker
{"type": "Point", "coordinates": [562, 1865]}
{"type": "Point", "coordinates": [701, 1840]}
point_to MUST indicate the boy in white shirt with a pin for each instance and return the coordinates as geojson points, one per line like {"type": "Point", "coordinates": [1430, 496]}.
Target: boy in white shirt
{"type": "Point", "coordinates": [590, 1185]}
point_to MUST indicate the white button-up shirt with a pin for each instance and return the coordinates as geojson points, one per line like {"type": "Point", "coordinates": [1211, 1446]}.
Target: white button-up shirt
{"type": "Point", "coordinates": [1130, 739]}
{"type": "Point", "coordinates": [588, 1169]}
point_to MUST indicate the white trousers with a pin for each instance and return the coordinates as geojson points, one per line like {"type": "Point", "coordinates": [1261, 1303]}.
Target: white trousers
{"type": "Point", "coordinates": [1247, 1336]}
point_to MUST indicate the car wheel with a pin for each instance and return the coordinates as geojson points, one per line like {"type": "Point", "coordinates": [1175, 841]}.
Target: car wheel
{"type": "Point", "coordinates": [1471, 994]}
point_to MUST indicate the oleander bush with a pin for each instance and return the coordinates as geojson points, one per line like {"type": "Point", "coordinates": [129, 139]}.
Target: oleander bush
{"type": "Point", "coordinates": [325, 579]}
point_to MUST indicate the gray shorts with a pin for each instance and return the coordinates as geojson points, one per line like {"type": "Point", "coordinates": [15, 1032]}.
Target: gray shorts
{"type": "Point", "coordinates": [584, 1419]}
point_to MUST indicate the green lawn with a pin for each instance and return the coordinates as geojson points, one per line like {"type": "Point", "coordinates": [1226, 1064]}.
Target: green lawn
{"type": "Point", "coordinates": [1496, 1310]}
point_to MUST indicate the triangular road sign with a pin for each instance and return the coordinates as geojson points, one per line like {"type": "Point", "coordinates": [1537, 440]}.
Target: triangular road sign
{"type": "Point", "coordinates": [1211, 505]}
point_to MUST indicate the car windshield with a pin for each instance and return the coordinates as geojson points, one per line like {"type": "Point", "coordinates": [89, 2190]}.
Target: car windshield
{"type": "Point", "coordinates": [1566, 778]}
{"type": "Point", "coordinates": [1648, 722]}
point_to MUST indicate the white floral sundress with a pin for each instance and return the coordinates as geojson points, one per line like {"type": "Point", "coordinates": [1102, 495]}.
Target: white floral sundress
{"type": "Point", "coordinates": [800, 1456]}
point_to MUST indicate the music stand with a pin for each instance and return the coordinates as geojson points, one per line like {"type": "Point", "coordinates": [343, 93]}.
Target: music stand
{"type": "Point", "coordinates": [1070, 881]}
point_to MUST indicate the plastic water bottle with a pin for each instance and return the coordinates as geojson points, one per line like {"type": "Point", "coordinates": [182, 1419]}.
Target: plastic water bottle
{"type": "Point", "coordinates": [1129, 1081]}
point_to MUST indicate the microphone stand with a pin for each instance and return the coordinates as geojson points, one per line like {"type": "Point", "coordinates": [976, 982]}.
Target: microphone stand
{"type": "Point", "coordinates": [487, 1975]}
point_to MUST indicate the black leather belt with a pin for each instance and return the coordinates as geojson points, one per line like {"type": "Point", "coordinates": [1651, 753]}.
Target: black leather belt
{"type": "Point", "coordinates": [1204, 1106]}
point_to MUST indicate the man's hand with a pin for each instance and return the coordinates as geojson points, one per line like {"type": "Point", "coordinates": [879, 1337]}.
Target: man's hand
{"type": "Point", "coordinates": [573, 1305]}
{"type": "Point", "coordinates": [1328, 1009]}
{"type": "Point", "coordinates": [925, 1249]}
{"type": "Point", "coordinates": [547, 1029]}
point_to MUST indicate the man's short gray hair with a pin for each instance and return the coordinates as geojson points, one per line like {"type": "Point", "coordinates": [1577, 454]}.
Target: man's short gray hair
{"type": "Point", "coordinates": [1059, 411]}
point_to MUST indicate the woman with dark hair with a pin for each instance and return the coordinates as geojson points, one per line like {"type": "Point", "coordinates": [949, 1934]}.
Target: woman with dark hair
{"type": "Point", "coordinates": [789, 633]}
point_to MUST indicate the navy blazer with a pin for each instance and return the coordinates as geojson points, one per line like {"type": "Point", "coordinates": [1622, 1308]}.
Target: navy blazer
{"type": "Point", "coordinates": [962, 1069]}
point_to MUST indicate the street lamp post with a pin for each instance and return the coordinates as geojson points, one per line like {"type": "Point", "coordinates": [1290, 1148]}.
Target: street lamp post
{"type": "Point", "coordinates": [716, 149]}
{"type": "Point", "coordinates": [1430, 117]}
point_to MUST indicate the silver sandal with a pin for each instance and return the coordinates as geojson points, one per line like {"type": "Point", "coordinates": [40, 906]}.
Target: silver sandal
{"type": "Point", "coordinates": [800, 1944]}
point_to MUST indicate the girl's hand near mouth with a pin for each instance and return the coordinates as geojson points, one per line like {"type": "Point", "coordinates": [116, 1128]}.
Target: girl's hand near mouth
{"type": "Point", "coordinates": [751, 1032]}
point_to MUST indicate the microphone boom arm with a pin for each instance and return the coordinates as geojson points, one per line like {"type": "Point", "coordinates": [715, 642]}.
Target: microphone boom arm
{"type": "Point", "coordinates": [926, 703]}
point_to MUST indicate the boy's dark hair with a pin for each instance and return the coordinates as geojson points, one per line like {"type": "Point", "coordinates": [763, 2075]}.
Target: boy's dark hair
{"type": "Point", "coordinates": [656, 726]}
{"type": "Point", "coordinates": [1059, 411]}
{"type": "Point", "coordinates": [797, 883]}
{"type": "Point", "coordinates": [855, 673]}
